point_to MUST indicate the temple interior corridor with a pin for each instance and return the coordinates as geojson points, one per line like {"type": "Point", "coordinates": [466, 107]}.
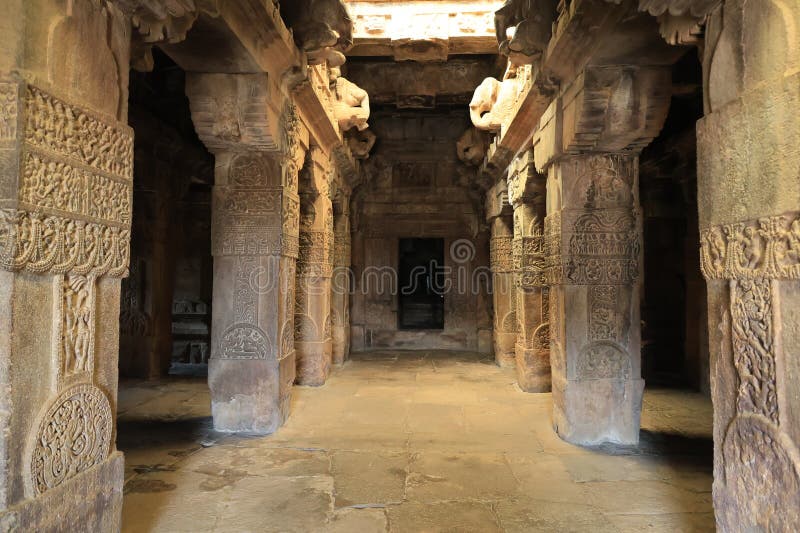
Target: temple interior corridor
{"type": "Point", "coordinates": [407, 266]}
{"type": "Point", "coordinates": [423, 441]}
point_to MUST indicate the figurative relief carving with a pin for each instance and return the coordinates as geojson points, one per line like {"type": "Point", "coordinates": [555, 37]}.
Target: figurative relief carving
{"type": "Point", "coordinates": [766, 248]}
{"type": "Point", "coordinates": [754, 347]}
{"type": "Point", "coordinates": [57, 185]}
{"type": "Point", "coordinates": [493, 101]}
{"type": "Point", "coordinates": [351, 107]}
{"type": "Point", "coordinates": [529, 261]}
{"type": "Point", "coordinates": [9, 111]}
{"type": "Point", "coordinates": [603, 248]}
{"type": "Point", "coordinates": [77, 324]}
{"type": "Point", "coordinates": [75, 166]}
{"type": "Point", "coordinates": [73, 435]}
{"type": "Point", "coordinates": [533, 20]}
{"type": "Point", "coordinates": [244, 341]}
{"type": "Point", "coordinates": [603, 360]}
{"type": "Point", "coordinates": [61, 129]}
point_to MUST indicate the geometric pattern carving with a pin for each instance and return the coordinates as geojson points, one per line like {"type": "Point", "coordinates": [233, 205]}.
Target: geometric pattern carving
{"type": "Point", "coordinates": [500, 250]}
{"type": "Point", "coordinates": [73, 435]}
{"type": "Point", "coordinates": [765, 248]}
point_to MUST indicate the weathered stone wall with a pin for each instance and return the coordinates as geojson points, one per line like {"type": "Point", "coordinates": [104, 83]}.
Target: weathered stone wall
{"type": "Point", "coordinates": [415, 189]}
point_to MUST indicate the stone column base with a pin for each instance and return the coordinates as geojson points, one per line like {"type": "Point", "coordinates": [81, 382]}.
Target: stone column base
{"type": "Point", "coordinates": [313, 362]}
{"type": "Point", "coordinates": [594, 411]}
{"type": "Point", "coordinates": [250, 396]}
{"type": "Point", "coordinates": [89, 501]}
{"type": "Point", "coordinates": [504, 348]}
{"type": "Point", "coordinates": [533, 369]}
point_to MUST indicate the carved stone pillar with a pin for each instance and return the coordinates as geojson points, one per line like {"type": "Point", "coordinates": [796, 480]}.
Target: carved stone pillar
{"type": "Point", "coordinates": [501, 223]}
{"type": "Point", "coordinates": [749, 210]}
{"type": "Point", "coordinates": [340, 283]}
{"type": "Point", "coordinates": [66, 173]}
{"type": "Point", "coordinates": [254, 243]}
{"type": "Point", "coordinates": [314, 269]}
{"type": "Point", "coordinates": [527, 195]}
{"type": "Point", "coordinates": [588, 141]}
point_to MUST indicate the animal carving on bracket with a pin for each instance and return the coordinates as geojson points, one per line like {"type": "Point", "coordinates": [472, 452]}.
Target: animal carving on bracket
{"type": "Point", "coordinates": [532, 21]}
{"type": "Point", "coordinates": [360, 142]}
{"type": "Point", "coordinates": [322, 29]}
{"type": "Point", "coordinates": [352, 103]}
{"type": "Point", "coordinates": [493, 101]}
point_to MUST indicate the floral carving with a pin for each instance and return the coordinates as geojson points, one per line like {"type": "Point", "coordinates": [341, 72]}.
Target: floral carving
{"type": "Point", "coordinates": [74, 434]}
{"type": "Point", "coordinates": [754, 347]}
{"type": "Point", "coordinates": [501, 254]}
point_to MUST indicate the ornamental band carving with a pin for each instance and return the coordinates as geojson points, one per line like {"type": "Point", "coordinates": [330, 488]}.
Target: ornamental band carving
{"type": "Point", "coordinates": [72, 212]}
{"type": "Point", "coordinates": [73, 435]}
{"type": "Point", "coordinates": [765, 248]}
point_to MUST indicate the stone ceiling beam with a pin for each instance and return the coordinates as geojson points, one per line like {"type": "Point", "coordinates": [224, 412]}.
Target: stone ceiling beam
{"type": "Point", "coordinates": [423, 31]}
{"type": "Point", "coordinates": [410, 84]}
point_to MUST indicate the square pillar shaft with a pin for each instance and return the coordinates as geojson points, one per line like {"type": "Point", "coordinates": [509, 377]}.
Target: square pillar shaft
{"type": "Point", "coordinates": [593, 235]}
{"type": "Point", "coordinates": [66, 175]}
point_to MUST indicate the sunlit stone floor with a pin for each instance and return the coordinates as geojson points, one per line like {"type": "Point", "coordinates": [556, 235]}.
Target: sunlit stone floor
{"type": "Point", "coordinates": [409, 442]}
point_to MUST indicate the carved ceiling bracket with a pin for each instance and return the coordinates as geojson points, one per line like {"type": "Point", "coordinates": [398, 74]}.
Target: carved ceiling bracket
{"type": "Point", "coordinates": [680, 22]}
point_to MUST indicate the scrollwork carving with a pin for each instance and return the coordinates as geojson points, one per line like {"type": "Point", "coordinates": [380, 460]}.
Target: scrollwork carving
{"type": "Point", "coordinates": [244, 341]}
{"type": "Point", "coordinates": [73, 435]}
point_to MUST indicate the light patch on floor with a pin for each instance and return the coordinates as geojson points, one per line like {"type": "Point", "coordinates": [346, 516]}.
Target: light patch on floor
{"type": "Point", "coordinates": [410, 442]}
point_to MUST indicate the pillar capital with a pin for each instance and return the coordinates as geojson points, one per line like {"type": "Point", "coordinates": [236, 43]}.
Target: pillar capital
{"type": "Point", "coordinates": [606, 109]}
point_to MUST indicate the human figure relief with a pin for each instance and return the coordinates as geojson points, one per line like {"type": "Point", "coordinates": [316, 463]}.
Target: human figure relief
{"type": "Point", "coordinates": [493, 101]}
{"type": "Point", "coordinates": [352, 103]}
{"type": "Point", "coordinates": [77, 324]}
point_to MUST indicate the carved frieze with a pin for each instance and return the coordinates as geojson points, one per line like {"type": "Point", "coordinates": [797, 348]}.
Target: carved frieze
{"type": "Point", "coordinates": [529, 261]}
{"type": "Point", "coordinates": [39, 243]}
{"type": "Point", "coordinates": [765, 248]}
{"type": "Point", "coordinates": [316, 254]}
{"type": "Point", "coordinates": [72, 435]}
{"type": "Point", "coordinates": [72, 209]}
{"type": "Point", "coordinates": [501, 253]}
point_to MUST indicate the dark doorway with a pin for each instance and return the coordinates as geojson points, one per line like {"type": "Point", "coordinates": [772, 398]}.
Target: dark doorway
{"type": "Point", "coordinates": [421, 297]}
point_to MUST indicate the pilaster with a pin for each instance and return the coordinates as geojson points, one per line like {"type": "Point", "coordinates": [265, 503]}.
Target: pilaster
{"type": "Point", "coordinates": [501, 262]}
{"type": "Point", "coordinates": [313, 333]}
{"type": "Point", "coordinates": [526, 189]}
